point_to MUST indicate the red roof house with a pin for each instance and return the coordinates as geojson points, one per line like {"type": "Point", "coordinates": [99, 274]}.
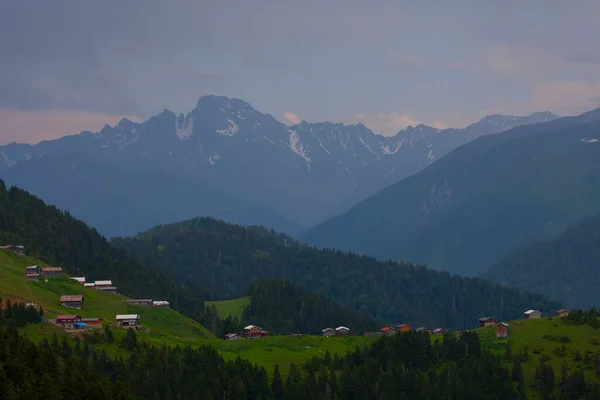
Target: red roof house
{"type": "Point", "coordinates": [32, 277]}
{"type": "Point", "coordinates": [486, 321]}
{"type": "Point", "coordinates": [52, 271]}
{"type": "Point", "coordinates": [72, 301]}
{"type": "Point", "coordinates": [563, 312]}
{"type": "Point", "coordinates": [67, 321]}
{"type": "Point", "coordinates": [502, 330]}
{"type": "Point", "coordinates": [15, 248]}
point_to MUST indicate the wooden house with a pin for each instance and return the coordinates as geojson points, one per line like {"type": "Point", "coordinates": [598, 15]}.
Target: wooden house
{"type": "Point", "coordinates": [254, 332]}
{"type": "Point", "coordinates": [32, 277]}
{"type": "Point", "coordinates": [16, 248]}
{"type": "Point", "coordinates": [160, 303]}
{"type": "Point", "coordinates": [232, 336]}
{"type": "Point", "coordinates": [52, 271]}
{"type": "Point", "coordinates": [32, 269]}
{"type": "Point", "coordinates": [79, 279]}
{"type": "Point", "coordinates": [101, 284]}
{"type": "Point", "coordinates": [328, 332]}
{"type": "Point", "coordinates": [128, 319]}
{"type": "Point", "coordinates": [502, 330]}
{"type": "Point", "coordinates": [486, 321]}
{"type": "Point", "coordinates": [139, 302]}
{"type": "Point", "coordinates": [93, 322]}
{"type": "Point", "coordinates": [531, 314]}
{"type": "Point", "coordinates": [563, 312]}
{"type": "Point", "coordinates": [403, 328]}
{"type": "Point", "coordinates": [423, 330]}
{"type": "Point", "coordinates": [388, 330]}
{"type": "Point", "coordinates": [342, 331]}
{"type": "Point", "coordinates": [72, 301]}
{"type": "Point", "coordinates": [67, 321]}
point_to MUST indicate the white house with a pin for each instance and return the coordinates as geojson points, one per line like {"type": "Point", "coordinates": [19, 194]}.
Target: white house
{"type": "Point", "coordinates": [533, 314]}
{"type": "Point", "coordinates": [342, 331]}
{"type": "Point", "coordinates": [128, 319]}
{"type": "Point", "coordinates": [328, 332]}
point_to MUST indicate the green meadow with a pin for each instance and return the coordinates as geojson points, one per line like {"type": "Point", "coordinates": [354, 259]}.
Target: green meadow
{"type": "Point", "coordinates": [161, 326]}
{"type": "Point", "coordinates": [549, 339]}
{"type": "Point", "coordinates": [233, 307]}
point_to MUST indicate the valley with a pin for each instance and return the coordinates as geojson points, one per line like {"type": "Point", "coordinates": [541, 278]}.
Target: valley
{"type": "Point", "coordinates": [299, 200]}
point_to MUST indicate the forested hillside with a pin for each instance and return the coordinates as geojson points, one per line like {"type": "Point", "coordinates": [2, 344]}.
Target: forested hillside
{"type": "Point", "coordinates": [566, 268]}
{"type": "Point", "coordinates": [223, 258]}
{"type": "Point", "coordinates": [59, 239]}
{"type": "Point", "coordinates": [406, 366]}
{"type": "Point", "coordinates": [283, 307]}
{"type": "Point", "coordinates": [468, 210]}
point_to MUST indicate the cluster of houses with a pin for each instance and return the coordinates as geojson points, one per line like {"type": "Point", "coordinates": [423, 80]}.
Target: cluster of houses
{"type": "Point", "coordinates": [104, 286]}
{"type": "Point", "coordinates": [339, 331]}
{"type": "Point", "coordinates": [15, 248]}
{"type": "Point", "coordinates": [33, 272]}
{"type": "Point", "coordinates": [73, 321]}
{"type": "Point", "coordinates": [502, 328]}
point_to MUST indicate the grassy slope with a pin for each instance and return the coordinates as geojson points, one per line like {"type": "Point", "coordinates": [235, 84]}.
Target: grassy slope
{"type": "Point", "coordinates": [529, 334]}
{"type": "Point", "coordinates": [233, 307]}
{"type": "Point", "coordinates": [284, 350]}
{"type": "Point", "coordinates": [164, 325]}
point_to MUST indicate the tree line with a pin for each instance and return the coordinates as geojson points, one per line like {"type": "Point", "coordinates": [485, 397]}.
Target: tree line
{"type": "Point", "coordinates": [223, 258]}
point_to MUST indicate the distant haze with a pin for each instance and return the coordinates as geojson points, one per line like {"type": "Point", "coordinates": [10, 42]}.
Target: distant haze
{"type": "Point", "coordinates": [71, 66]}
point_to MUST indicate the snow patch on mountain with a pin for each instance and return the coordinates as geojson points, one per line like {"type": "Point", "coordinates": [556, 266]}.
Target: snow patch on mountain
{"type": "Point", "coordinates": [389, 150]}
{"type": "Point", "coordinates": [268, 140]}
{"type": "Point", "coordinates": [586, 140]}
{"type": "Point", "coordinates": [430, 156]}
{"type": "Point", "coordinates": [184, 132]}
{"type": "Point", "coordinates": [299, 148]}
{"type": "Point", "coordinates": [231, 130]}
{"type": "Point", "coordinates": [391, 171]}
{"type": "Point", "coordinates": [7, 161]}
{"type": "Point", "coordinates": [323, 146]}
{"type": "Point", "coordinates": [215, 156]}
{"type": "Point", "coordinates": [368, 146]}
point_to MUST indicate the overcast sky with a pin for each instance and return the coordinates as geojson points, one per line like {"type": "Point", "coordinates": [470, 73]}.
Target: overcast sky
{"type": "Point", "coordinates": [66, 66]}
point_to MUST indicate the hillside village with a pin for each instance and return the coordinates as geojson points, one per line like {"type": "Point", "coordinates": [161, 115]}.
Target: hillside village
{"type": "Point", "coordinates": [74, 322]}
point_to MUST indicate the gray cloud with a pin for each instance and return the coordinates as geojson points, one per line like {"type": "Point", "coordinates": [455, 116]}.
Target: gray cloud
{"type": "Point", "coordinates": [318, 59]}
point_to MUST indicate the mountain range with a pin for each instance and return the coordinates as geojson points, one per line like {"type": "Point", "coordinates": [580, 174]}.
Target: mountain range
{"type": "Point", "coordinates": [227, 160]}
{"type": "Point", "coordinates": [485, 199]}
